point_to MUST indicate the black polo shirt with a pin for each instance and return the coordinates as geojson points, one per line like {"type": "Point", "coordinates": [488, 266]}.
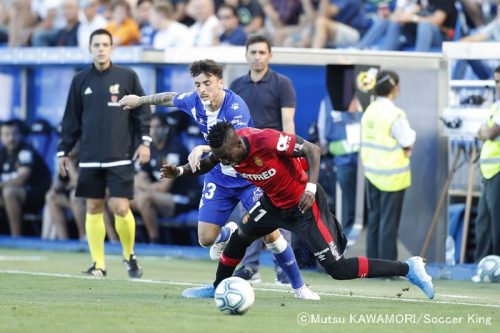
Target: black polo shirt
{"type": "Point", "coordinates": [266, 97]}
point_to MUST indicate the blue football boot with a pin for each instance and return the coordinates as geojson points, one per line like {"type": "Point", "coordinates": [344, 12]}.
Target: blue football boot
{"type": "Point", "coordinates": [419, 277]}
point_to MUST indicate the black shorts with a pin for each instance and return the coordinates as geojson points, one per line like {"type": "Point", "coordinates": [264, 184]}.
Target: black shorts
{"type": "Point", "coordinates": [119, 180]}
{"type": "Point", "coordinates": [318, 228]}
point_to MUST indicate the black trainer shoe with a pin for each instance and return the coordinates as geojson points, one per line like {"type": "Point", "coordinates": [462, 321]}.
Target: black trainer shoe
{"type": "Point", "coordinates": [246, 273]}
{"type": "Point", "coordinates": [133, 267]}
{"type": "Point", "coordinates": [95, 272]}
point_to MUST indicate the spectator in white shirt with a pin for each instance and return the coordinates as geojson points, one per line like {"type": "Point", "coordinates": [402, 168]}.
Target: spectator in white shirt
{"type": "Point", "coordinates": [205, 27]}
{"type": "Point", "coordinates": [90, 21]}
{"type": "Point", "coordinates": [169, 33]}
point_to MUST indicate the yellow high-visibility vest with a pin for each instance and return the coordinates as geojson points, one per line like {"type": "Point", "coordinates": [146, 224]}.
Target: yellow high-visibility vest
{"type": "Point", "coordinates": [490, 153]}
{"type": "Point", "coordinates": [386, 165]}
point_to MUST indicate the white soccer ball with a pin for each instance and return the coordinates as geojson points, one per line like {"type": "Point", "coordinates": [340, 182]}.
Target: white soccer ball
{"type": "Point", "coordinates": [488, 270]}
{"type": "Point", "coordinates": [234, 296]}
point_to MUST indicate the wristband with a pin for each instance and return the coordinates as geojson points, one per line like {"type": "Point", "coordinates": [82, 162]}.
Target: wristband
{"type": "Point", "coordinates": [181, 171]}
{"type": "Point", "coordinates": [311, 188]}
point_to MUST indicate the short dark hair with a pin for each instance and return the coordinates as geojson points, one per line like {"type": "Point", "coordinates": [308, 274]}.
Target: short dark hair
{"type": "Point", "coordinates": [497, 70]}
{"type": "Point", "coordinates": [19, 124]}
{"type": "Point", "coordinates": [207, 66]}
{"type": "Point", "coordinates": [100, 32]}
{"type": "Point", "coordinates": [232, 8]}
{"type": "Point", "coordinates": [254, 39]}
{"type": "Point", "coordinates": [386, 80]}
{"type": "Point", "coordinates": [217, 134]}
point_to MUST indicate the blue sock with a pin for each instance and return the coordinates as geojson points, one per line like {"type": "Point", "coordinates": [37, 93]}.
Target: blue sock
{"type": "Point", "coordinates": [225, 232]}
{"type": "Point", "coordinates": [286, 260]}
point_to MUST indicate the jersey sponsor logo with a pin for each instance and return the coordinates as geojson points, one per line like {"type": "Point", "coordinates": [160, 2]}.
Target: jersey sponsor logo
{"type": "Point", "coordinates": [240, 123]}
{"type": "Point", "coordinates": [114, 89]}
{"type": "Point", "coordinates": [87, 91]}
{"type": "Point", "coordinates": [114, 101]}
{"type": "Point", "coordinates": [283, 143]}
{"type": "Point", "coordinates": [335, 251]}
{"type": "Point", "coordinates": [261, 176]}
{"type": "Point", "coordinates": [258, 161]}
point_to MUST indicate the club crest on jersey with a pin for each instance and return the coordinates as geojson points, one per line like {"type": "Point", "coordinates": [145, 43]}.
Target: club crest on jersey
{"type": "Point", "coordinates": [258, 161]}
{"type": "Point", "coordinates": [114, 89]}
{"type": "Point", "coordinates": [235, 106]}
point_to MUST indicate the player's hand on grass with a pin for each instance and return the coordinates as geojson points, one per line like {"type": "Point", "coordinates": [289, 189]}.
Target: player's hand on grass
{"type": "Point", "coordinates": [129, 102]}
{"type": "Point", "coordinates": [143, 153]}
{"type": "Point", "coordinates": [306, 201]}
{"type": "Point", "coordinates": [62, 165]}
{"type": "Point", "coordinates": [169, 171]}
{"type": "Point", "coordinates": [195, 156]}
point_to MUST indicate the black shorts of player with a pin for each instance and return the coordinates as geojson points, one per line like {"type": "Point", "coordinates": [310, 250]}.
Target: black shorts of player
{"type": "Point", "coordinates": [318, 228]}
{"type": "Point", "coordinates": [93, 182]}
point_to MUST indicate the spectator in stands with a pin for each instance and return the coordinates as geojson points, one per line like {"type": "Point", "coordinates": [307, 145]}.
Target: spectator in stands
{"type": "Point", "coordinates": [4, 21]}
{"type": "Point", "coordinates": [300, 35]}
{"type": "Point", "coordinates": [91, 20]}
{"type": "Point", "coordinates": [180, 14]}
{"type": "Point", "coordinates": [427, 27]}
{"type": "Point", "coordinates": [122, 27]}
{"type": "Point", "coordinates": [52, 20]}
{"type": "Point", "coordinates": [168, 197]}
{"type": "Point", "coordinates": [482, 68]}
{"type": "Point", "coordinates": [170, 33]}
{"type": "Point", "coordinates": [61, 197]}
{"type": "Point", "coordinates": [229, 32]}
{"type": "Point", "coordinates": [21, 22]}
{"type": "Point", "coordinates": [204, 28]}
{"type": "Point", "coordinates": [280, 15]}
{"type": "Point", "coordinates": [24, 176]}
{"type": "Point", "coordinates": [68, 36]}
{"type": "Point", "coordinates": [340, 23]}
{"type": "Point", "coordinates": [249, 12]}
{"type": "Point", "coordinates": [381, 25]}
{"type": "Point", "coordinates": [142, 17]}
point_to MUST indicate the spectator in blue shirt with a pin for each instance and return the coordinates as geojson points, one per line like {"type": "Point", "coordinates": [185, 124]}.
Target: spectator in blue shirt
{"type": "Point", "coordinates": [231, 32]}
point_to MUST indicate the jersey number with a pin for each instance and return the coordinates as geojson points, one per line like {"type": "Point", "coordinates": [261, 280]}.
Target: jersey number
{"type": "Point", "coordinates": [210, 190]}
{"type": "Point", "coordinates": [261, 214]}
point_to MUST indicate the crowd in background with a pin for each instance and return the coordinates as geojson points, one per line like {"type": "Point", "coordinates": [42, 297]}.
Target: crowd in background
{"type": "Point", "coordinates": [420, 25]}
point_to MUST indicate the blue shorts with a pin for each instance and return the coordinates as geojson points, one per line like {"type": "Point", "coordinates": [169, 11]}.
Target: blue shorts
{"type": "Point", "coordinates": [217, 202]}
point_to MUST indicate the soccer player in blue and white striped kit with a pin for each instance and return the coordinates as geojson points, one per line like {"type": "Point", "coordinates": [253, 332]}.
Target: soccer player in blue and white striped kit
{"type": "Point", "coordinates": [223, 187]}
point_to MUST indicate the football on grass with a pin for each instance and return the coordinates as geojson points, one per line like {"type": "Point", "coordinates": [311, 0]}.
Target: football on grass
{"type": "Point", "coordinates": [234, 296]}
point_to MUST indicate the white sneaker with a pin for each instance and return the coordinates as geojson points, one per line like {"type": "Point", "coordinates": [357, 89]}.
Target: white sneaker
{"type": "Point", "coordinates": [217, 249]}
{"type": "Point", "coordinates": [305, 293]}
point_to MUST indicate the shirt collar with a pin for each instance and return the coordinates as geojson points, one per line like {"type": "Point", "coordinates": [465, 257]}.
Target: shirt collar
{"type": "Point", "coordinates": [266, 77]}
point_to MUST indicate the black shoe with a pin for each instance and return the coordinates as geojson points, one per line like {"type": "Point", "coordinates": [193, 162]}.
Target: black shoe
{"type": "Point", "coordinates": [133, 267]}
{"type": "Point", "coordinates": [246, 273]}
{"type": "Point", "coordinates": [95, 272]}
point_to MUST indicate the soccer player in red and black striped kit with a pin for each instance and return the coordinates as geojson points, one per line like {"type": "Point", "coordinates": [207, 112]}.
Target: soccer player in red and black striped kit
{"type": "Point", "coordinates": [292, 200]}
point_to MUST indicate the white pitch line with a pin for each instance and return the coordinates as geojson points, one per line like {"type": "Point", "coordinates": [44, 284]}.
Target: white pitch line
{"type": "Point", "coordinates": [176, 283]}
{"type": "Point", "coordinates": [22, 258]}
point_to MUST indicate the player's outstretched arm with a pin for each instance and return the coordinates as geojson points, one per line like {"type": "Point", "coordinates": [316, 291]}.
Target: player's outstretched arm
{"type": "Point", "coordinates": [133, 101]}
{"type": "Point", "coordinates": [172, 171]}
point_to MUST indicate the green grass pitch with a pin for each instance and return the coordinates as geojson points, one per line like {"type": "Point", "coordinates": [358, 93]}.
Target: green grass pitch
{"type": "Point", "coordinates": [44, 292]}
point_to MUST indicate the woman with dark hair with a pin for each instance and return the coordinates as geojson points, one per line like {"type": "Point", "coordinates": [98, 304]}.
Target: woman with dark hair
{"type": "Point", "coordinates": [386, 143]}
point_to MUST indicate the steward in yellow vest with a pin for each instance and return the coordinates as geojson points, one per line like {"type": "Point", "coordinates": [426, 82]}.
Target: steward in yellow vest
{"type": "Point", "coordinates": [386, 143]}
{"type": "Point", "coordinates": [487, 228]}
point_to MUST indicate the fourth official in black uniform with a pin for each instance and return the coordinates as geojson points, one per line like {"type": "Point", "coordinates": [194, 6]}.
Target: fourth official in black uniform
{"type": "Point", "coordinates": [107, 134]}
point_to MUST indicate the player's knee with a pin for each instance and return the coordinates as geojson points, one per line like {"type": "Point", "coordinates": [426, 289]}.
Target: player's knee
{"type": "Point", "coordinates": [206, 240]}
{"type": "Point", "coordinates": [338, 270]}
{"type": "Point", "coordinates": [278, 246]}
{"type": "Point", "coordinates": [272, 237]}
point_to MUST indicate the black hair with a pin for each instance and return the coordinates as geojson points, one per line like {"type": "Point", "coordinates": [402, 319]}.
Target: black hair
{"type": "Point", "coordinates": [207, 66]}
{"type": "Point", "coordinates": [254, 39]}
{"type": "Point", "coordinates": [386, 80]}
{"type": "Point", "coordinates": [100, 32]}
{"type": "Point", "coordinates": [217, 134]}
{"type": "Point", "coordinates": [232, 8]}
{"type": "Point", "coordinates": [497, 70]}
{"type": "Point", "coordinates": [162, 118]}
{"type": "Point", "coordinates": [21, 125]}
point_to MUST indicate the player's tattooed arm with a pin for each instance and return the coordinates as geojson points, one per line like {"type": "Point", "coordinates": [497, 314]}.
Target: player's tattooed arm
{"type": "Point", "coordinates": [162, 99]}
{"type": "Point", "coordinates": [172, 171]}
